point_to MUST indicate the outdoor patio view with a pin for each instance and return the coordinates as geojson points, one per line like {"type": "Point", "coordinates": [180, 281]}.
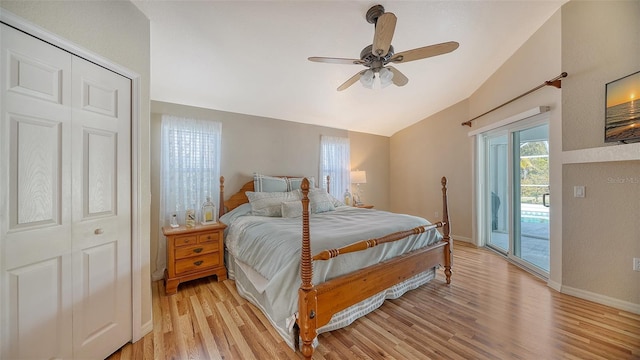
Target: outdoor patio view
{"type": "Point", "coordinates": [531, 209]}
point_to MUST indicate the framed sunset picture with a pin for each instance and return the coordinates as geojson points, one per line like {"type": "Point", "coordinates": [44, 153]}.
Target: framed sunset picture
{"type": "Point", "coordinates": [622, 119]}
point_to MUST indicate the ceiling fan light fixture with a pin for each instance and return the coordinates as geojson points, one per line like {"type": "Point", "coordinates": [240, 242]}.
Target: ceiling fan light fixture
{"type": "Point", "coordinates": [381, 53]}
{"type": "Point", "coordinates": [366, 79]}
{"type": "Point", "coordinates": [386, 77]}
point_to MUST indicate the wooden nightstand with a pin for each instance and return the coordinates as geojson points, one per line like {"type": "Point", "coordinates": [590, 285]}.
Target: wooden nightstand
{"type": "Point", "coordinates": [364, 206]}
{"type": "Point", "coordinates": [193, 253]}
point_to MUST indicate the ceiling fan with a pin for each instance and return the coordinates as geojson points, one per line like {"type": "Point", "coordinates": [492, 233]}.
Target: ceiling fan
{"type": "Point", "coordinates": [378, 55]}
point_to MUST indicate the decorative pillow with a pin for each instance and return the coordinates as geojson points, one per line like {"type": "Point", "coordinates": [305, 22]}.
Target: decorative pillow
{"type": "Point", "coordinates": [294, 183]}
{"type": "Point", "coordinates": [269, 203]}
{"type": "Point", "coordinates": [242, 210]}
{"type": "Point", "coordinates": [292, 209]}
{"type": "Point", "coordinates": [264, 183]}
{"type": "Point", "coordinates": [336, 202]}
{"type": "Point", "coordinates": [320, 201]}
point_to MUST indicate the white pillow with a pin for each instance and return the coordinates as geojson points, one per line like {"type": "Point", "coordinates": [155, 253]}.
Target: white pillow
{"type": "Point", "coordinates": [242, 210]}
{"type": "Point", "coordinates": [295, 183]}
{"type": "Point", "coordinates": [264, 183]}
{"type": "Point", "coordinates": [292, 209]}
{"type": "Point", "coordinates": [269, 203]}
{"type": "Point", "coordinates": [320, 201]}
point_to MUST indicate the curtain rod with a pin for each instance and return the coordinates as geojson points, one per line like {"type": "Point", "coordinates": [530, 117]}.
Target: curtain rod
{"type": "Point", "coordinates": [556, 82]}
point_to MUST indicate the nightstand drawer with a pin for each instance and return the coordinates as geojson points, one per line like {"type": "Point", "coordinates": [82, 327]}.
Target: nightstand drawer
{"type": "Point", "coordinates": [197, 263]}
{"type": "Point", "coordinates": [186, 240]}
{"type": "Point", "coordinates": [194, 250]}
{"type": "Point", "coordinates": [210, 237]}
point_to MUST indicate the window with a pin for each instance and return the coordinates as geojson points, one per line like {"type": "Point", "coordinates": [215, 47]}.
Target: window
{"type": "Point", "coordinates": [190, 170]}
{"type": "Point", "coordinates": [335, 160]}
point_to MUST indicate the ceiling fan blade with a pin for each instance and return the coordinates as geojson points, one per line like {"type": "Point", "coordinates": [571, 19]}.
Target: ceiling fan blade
{"type": "Point", "coordinates": [398, 78]}
{"type": "Point", "coordinates": [424, 52]}
{"type": "Point", "coordinates": [385, 27]}
{"type": "Point", "coordinates": [352, 80]}
{"type": "Point", "coordinates": [335, 60]}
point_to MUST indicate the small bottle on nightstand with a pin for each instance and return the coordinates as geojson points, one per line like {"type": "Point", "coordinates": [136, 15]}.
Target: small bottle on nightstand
{"type": "Point", "coordinates": [174, 221]}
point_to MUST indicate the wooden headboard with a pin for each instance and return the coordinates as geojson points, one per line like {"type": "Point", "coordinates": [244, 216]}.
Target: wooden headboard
{"type": "Point", "coordinates": [240, 197]}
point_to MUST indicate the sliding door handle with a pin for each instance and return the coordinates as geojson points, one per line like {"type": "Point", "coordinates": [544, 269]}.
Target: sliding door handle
{"type": "Point", "coordinates": [544, 199]}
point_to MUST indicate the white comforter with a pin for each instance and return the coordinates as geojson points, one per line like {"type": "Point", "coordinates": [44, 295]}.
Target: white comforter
{"type": "Point", "coordinates": [267, 249]}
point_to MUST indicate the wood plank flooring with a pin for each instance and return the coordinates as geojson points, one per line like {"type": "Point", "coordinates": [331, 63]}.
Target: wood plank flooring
{"type": "Point", "coordinates": [491, 310]}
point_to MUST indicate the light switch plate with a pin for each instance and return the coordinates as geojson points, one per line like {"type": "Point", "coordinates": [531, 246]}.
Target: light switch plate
{"type": "Point", "coordinates": [578, 191]}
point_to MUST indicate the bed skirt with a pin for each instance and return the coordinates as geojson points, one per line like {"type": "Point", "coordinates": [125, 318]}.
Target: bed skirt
{"type": "Point", "coordinates": [341, 319]}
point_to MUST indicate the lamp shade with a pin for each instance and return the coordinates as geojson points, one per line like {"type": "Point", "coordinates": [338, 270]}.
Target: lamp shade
{"type": "Point", "coordinates": [386, 77]}
{"type": "Point", "coordinates": [366, 79]}
{"type": "Point", "coordinates": [358, 177]}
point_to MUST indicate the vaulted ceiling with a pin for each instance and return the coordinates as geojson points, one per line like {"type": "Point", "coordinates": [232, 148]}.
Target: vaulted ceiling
{"type": "Point", "coordinates": [250, 57]}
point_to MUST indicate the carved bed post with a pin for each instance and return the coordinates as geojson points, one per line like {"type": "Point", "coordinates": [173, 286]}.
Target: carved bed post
{"type": "Point", "coordinates": [221, 202]}
{"type": "Point", "coordinates": [307, 301]}
{"type": "Point", "coordinates": [446, 230]}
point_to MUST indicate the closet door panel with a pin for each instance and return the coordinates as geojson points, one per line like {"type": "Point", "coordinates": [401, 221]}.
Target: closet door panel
{"type": "Point", "coordinates": [35, 198]}
{"type": "Point", "coordinates": [32, 318]}
{"type": "Point", "coordinates": [101, 166]}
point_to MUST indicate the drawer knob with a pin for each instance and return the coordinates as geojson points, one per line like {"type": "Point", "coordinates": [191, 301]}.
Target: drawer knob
{"type": "Point", "coordinates": [98, 231]}
{"type": "Point", "coordinates": [198, 263]}
{"type": "Point", "coordinates": [197, 251]}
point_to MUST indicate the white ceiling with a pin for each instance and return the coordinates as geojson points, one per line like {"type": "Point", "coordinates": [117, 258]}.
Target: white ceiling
{"type": "Point", "coordinates": [250, 57]}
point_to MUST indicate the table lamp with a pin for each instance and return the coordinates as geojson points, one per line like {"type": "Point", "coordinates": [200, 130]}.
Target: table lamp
{"type": "Point", "coordinates": [358, 177]}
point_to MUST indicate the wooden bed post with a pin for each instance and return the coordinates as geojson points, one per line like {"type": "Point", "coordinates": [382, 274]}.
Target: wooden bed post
{"type": "Point", "coordinates": [328, 184]}
{"type": "Point", "coordinates": [221, 202]}
{"type": "Point", "coordinates": [446, 230]}
{"type": "Point", "coordinates": [307, 295]}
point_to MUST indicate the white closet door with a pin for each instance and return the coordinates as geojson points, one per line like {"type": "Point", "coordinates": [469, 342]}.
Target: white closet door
{"type": "Point", "coordinates": [65, 188]}
{"type": "Point", "coordinates": [101, 166]}
{"type": "Point", "coordinates": [35, 183]}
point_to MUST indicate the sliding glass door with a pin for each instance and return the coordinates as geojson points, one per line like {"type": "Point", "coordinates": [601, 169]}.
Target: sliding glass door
{"type": "Point", "coordinates": [515, 193]}
{"type": "Point", "coordinates": [497, 191]}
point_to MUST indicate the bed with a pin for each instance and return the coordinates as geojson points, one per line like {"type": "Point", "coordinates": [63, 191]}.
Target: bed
{"type": "Point", "coordinates": [312, 267]}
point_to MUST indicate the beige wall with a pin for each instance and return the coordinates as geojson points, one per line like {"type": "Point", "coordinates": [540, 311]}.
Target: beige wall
{"type": "Point", "coordinates": [601, 232]}
{"type": "Point", "coordinates": [421, 155]}
{"type": "Point", "coordinates": [439, 145]}
{"type": "Point", "coordinates": [371, 154]}
{"type": "Point", "coordinates": [273, 147]}
{"type": "Point", "coordinates": [118, 31]}
{"type": "Point", "coordinates": [600, 43]}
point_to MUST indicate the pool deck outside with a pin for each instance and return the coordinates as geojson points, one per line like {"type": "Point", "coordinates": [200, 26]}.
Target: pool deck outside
{"type": "Point", "coordinates": [535, 236]}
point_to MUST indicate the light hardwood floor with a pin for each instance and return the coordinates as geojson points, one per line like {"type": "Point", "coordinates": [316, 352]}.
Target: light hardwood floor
{"type": "Point", "coordinates": [491, 310]}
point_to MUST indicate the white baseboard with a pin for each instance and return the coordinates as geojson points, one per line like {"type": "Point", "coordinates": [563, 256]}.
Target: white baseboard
{"type": "Point", "coordinates": [554, 285]}
{"type": "Point", "coordinates": [462, 238]}
{"type": "Point", "coordinates": [157, 275]}
{"type": "Point", "coordinates": [601, 299]}
{"type": "Point", "coordinates": [146, 328]}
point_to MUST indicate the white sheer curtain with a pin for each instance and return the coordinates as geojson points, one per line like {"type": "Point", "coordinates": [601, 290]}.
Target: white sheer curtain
{"type": "Point", "coordinates": [189, 172]}
{"type": "Point", "coordinates": [335, 161]}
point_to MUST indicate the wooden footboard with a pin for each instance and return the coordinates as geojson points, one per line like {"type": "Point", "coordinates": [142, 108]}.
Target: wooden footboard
{"type": "Point", "coordinates": [317, 304]}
